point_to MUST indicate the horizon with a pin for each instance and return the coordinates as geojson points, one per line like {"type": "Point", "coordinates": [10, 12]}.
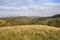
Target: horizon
{"type": "Point", "coordinates": [41, 8]}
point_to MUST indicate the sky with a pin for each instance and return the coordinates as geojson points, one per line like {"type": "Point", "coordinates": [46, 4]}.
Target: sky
{"type": "Point", "coordinates": [29, 7]}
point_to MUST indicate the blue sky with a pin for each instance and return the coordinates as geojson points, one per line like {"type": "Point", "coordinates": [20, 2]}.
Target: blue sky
{"type": "Point", "coordinates": [29, 7]}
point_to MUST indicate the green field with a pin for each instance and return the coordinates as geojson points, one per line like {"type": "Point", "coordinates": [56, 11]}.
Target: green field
{"type": "Point", "coordinates": [29, 32]}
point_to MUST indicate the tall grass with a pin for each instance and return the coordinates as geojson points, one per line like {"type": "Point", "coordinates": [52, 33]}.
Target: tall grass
{"type": "Point", "coordinates": [30, 32]}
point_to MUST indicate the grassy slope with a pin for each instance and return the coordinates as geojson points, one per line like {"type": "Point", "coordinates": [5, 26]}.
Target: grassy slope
{"type": "Point", "coordinates": [32, 32]}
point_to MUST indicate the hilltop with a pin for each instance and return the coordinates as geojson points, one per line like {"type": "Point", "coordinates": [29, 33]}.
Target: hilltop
{"type": "Point", "coordinates": [29, 32]}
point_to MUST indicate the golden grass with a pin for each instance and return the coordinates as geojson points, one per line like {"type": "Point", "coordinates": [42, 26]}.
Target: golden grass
{"type": "Point", "coordinates": [29, 32]}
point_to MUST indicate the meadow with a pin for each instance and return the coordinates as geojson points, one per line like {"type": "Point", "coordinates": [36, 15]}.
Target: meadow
{"type": "Point", "coordinates": [29, 32]}
{"type": "Point", "coordinates": [30, 28]}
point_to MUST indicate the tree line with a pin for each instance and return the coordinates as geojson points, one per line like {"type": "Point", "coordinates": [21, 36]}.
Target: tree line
{"type": "Point", "coordinates": [14, 21]}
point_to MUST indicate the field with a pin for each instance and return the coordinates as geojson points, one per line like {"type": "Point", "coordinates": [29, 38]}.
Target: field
{"type": "Point", "coordinates": [29, 32]}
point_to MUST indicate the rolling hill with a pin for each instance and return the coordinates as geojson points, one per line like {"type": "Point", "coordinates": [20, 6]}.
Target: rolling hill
{"type": "Point", "coordinates": [29, 32]}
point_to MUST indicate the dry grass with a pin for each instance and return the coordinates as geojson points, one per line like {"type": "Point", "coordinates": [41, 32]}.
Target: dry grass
{"type": "Point", "coordinates": [29, 32]}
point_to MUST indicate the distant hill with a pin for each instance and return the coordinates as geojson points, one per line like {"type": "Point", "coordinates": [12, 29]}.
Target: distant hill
{"type": "Point", "coordinates": [30, 20]}
{"type": "Point", "coordinates": [56, 16]}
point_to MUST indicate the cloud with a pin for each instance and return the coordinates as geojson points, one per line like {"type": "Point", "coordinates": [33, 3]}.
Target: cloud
{"type": "Point", "coordinates": [29, 8]}
{"type": "Point", "coordinates": [12, 8]}
{"type": "Point", "coordinates": [51, 4]}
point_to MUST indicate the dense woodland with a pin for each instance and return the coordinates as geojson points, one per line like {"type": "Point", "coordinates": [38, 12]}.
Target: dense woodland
{"type": "Point", "coordinates": [23, 20]}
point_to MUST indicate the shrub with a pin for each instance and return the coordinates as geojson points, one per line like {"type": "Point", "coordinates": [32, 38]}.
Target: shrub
{"type": "Point", "coordinates": [2, 22]}
{"type": "Point", "coordinates": [52, 22]}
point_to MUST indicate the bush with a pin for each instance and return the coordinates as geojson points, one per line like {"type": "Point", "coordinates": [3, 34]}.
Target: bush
{"type": "Point", "coordinates": [52, 22]}
{"type": "Point", "coordinates": [2, 22]}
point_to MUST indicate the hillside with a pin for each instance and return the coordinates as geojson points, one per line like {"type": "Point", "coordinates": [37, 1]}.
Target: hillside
{"type": "Point", "coordinates": [56, 16]}
{"type": "Point", "coordinates": [30, 20]}
{"type": "Point", "coordinates": [29, 32]}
